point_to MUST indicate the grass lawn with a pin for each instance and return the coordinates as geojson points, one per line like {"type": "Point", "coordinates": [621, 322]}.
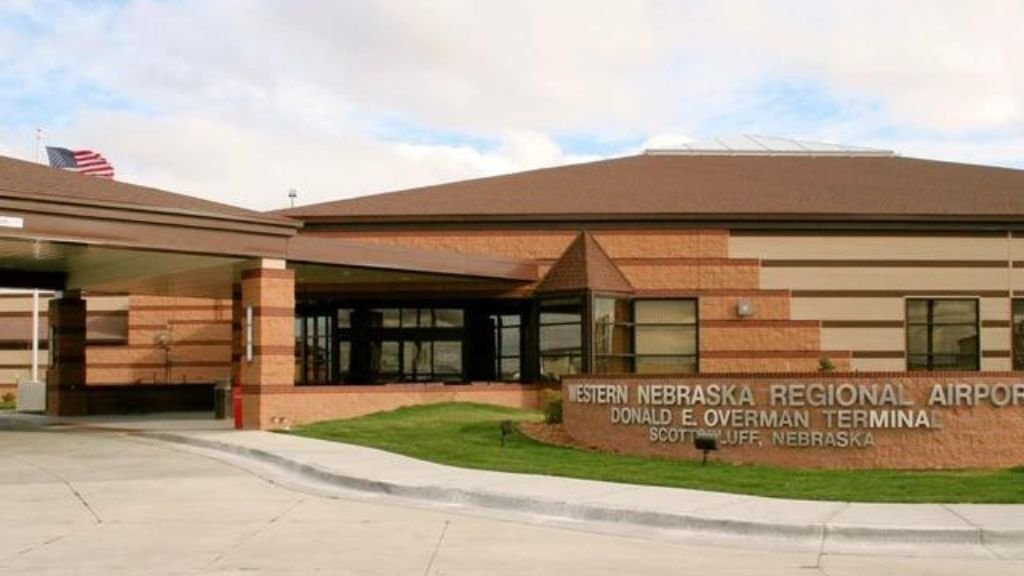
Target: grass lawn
{"type": "Point", "coordinates": [468, 435]}
{"type": "Point", "coordinates": [7, 404]}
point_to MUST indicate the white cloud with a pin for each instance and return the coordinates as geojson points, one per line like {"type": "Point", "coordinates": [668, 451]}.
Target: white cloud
{"type": "Point", "coordinates": [240, 100]}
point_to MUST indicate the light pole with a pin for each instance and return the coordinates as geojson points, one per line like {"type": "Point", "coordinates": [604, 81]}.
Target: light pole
{"type": "Point", "coordinates": [292, 194]}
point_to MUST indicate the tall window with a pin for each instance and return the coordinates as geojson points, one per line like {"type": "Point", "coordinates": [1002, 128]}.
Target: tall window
{"type": "Point", "coordinates": [561, 337]}
{"type": "Point", "coordinates": [645, 336]}
{"type": "Point", "coordinates": [613, 336]}
{"type": "Point", "coordinates": [942, 334]}
{"type": "Point", "coordinates": [313, 353]}
{"type": "Point", "coordinates": [507, 346]}
{"type": "Point", "coordinates": [1018, 334]}
{"type": "Point", "coordinates": [402, 344]}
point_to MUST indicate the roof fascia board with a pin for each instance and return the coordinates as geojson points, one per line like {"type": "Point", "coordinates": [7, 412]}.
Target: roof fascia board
{"type": "Point", "coordinates": [255, 218]}
{"type": "Point", "coordinates": [163, 217]}
{"type": "Point", "coordinates": [336, 252]}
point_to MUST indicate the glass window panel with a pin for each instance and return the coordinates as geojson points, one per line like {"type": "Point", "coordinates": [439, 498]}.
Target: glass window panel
{"type": "Point", "coordinates": [623, 311]}
{"type": "Point", "coordinates": [942, 334]}
{"type": "Point", "coordinates": [917, 339]}
{"type": "Point", "coordinates": [560, 338]}
{"type": "Point", "coordinates": [409, 317]}
{"type": "Point", "coordinates": [511, 320]}
{"type": "Point", "coordinates": [944, 361]}
{"type": "Point", "coordinates": [613, 339]}
{"type": "Point", "coordinates": [560, 317]}
{"type": "Point", "coordinates": [389, 358]}
{"type": "Point", "coordinates": [604, 310]}
{"type": "Point", "coordinates": [665, 365]}
{"type": "Point", "coordinates": [954, 339]}
{"type": "Point", "coordinates": [345, 318]}
{"type": "Point", "coordinates": [968, 362]}
{"type": "Point", "coordinates": [510, 369]}
{"type": "Point", "coordinates": [613, 364]}
{"type": "Point", "coordinates": [1018, 312]}
{"type": "Point", "coordinates": [416, 359]}
{"type": "Point", "coordinates": [666, 340]}
{"type": "Point", "coordinates": [917, 311]}
{"type": "Point", "coordinates": [448, 358]}
{"type": "Point", "coordinates": [344, 359]}
{"type": "Point", "coordinates": [448, 318]}
{"type": "Point", "coordinates": [1018, 334]}
{"type": "Point", "coordinates": [666, 311]}
{"type": "Point", "coordinates": [955, 312]}
{"type": "Point", "coordinates": [510, 342]}
{"type": "Point", "coordinates": [386, 317]}
{"type": "Point", "coordinates": [917, 362]}
{"type": "Point", "coordinates": [554, 367]}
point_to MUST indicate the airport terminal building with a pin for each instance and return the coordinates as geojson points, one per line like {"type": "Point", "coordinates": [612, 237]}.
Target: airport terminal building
{"type": "Point", "coordinates": [724, 263]}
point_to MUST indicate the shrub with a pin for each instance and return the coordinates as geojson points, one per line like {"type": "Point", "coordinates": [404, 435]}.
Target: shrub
{"type": "Point", "coordinates": [7, 397]}
{"type": "Point", "coordinates": [552, 407]}
{"type": "Point", "coordinates": [825, 364]}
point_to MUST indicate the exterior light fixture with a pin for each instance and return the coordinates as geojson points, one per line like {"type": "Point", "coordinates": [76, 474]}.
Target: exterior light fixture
{"type": "Point", "coordinates": [744, 308]}
{"type": "Point", "coordinates": [248, 334]}
{"type": "Point", "coordinates": [705, 442]}
{"type": "Point", "coordinates": [506, 429]}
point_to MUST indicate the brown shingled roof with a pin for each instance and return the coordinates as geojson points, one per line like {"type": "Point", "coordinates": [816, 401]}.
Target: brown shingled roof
{"type": "Point", "coordinates": [23, 179]}
{"type": "Point", "coordinates": [584, 266]}
{"type": "Point", "coordinates": [705, 187]}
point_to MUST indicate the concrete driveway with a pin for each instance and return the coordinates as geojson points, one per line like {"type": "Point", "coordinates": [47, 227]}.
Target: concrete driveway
{"type": "Point", "coordinates": [85, 502]}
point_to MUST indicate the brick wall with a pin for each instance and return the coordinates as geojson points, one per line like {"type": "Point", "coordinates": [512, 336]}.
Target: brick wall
{"type": "Point", "coordinates": [961, 436]}
{"type": "Point", "coordinates": [197, 336]}
{"type": "Point", "coordinates": [674, 263]}
{"type": "Point", "coordinates": [287, 407]}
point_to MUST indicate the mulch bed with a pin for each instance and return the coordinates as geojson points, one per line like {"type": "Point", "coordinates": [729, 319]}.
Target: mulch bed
{"type": "Point", "coordinates": [554, 434]}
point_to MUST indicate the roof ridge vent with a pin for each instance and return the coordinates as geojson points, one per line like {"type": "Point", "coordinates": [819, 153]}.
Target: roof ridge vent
{"type": "Point", "coordinates": [753, 145]}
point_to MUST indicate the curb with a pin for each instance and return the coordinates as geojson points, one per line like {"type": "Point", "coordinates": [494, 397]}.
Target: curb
{"type": "Point", "coordinates": [827, 537]}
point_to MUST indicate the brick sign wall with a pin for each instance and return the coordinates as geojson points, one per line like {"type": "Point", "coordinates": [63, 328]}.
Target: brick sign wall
{"type": "Point", "coordinates": [832, 421]}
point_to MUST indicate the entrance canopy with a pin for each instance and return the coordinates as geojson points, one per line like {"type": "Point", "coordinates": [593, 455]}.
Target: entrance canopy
{"type": "Point", "coordinates": [65, 231]}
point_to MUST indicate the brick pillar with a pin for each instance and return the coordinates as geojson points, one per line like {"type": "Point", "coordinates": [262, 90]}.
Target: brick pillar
{"type": "Point", "coordinates": [237, 320]}
{"type": "Point", "coordinates": [65, 377]}
{"type": "Point", "coordinates": [269, 289]}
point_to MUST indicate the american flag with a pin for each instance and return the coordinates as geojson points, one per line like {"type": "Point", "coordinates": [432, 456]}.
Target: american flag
{"type": "Point", "coordinates": [81, 161]}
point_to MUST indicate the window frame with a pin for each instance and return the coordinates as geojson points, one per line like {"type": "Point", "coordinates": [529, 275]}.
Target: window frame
{"type": "Point", "coordinates": [930, 324]}
{"type": "Point", "coordinates": [584, 304]}
{"type": "Point", "coordinates": [1015, 358]}
{"type": "Point", "coordinates": [633, 324]}
{"type": "Point", "coordinates": [696, 333]}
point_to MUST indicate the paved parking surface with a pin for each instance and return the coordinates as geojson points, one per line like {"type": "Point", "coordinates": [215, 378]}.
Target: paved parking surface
{"type": "Point", "coordinates": [90, 503]}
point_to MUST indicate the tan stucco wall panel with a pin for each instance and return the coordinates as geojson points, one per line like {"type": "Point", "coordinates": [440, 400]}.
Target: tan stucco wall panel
{"type": "Point", "coordinates": [885, 278]}
{"type": "Point", "coordinates": [836, 247]}
{"type": "Point", "coordinates": [847, 308]}
{"type": "Point", "coordinates": [863, 338]}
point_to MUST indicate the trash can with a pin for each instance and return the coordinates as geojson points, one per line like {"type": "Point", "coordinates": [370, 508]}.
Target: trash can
{"type": "Point", "coordinates": [222, 400]}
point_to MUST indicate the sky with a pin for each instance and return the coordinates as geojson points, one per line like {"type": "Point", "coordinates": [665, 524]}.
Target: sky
{"type": "Point", "coordinates": [240, 101]}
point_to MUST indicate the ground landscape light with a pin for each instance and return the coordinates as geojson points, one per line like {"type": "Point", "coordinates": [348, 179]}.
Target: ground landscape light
{"type": "Point", "coordinates": [705, 442]}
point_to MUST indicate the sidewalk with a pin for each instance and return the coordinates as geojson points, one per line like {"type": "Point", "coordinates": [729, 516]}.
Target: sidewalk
{"type": "Point", "coordinates": [830, 527]}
